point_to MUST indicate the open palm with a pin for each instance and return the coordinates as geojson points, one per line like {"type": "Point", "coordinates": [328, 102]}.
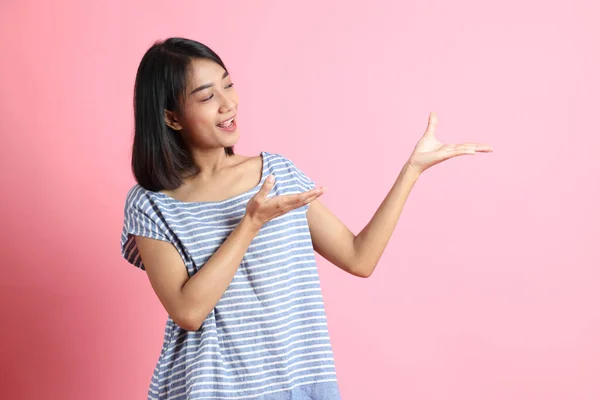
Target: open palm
{"type": "Point", "coordinates": [429, 151]}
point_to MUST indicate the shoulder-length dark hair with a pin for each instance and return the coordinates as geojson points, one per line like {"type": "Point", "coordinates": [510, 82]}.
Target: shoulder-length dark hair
{"type": "Point", "coordinates": [160, 158]}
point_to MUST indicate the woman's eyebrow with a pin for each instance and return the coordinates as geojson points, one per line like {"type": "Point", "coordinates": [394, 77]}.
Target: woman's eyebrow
{"type": "Point", "coordinates": [208, 85]}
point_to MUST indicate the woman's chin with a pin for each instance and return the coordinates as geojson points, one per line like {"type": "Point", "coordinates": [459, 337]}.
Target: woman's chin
{"type": "Point", "coordinates": [231, 139]}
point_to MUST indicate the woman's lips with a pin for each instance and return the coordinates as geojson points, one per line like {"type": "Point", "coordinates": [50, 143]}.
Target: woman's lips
{"type": "Point", "coordinates": [230, 125]}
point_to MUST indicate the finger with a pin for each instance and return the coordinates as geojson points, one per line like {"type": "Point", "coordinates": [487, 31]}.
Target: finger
{"type": "Point", "coordinates": [483, 148]}
{"type": "Point", "coordinates": [266, 187]}
{"type": "Point", "coordinates": [479, 147]}
{"type": "Point", "coordinates": [313, 197]}
{"type": "Point", "coordinates": [293, 201]}
{"type": "Point", "coordinates": [431, 124]}
{"type": "Point", "coordinates": [461, 149]}
{"type": "Point", "coordinates": [306, 197]}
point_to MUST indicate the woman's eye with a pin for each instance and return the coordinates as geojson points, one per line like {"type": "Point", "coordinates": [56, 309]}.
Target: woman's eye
{"type": "Point", "coordinates": [229, 86]}
{"type": "Point", "coordinates": [208, 98]}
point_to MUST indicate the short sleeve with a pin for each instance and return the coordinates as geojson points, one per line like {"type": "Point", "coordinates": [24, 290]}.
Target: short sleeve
{"type": "Point", "coordinates": [301, 179]}
{"type": "Point", "coordinates": [141, 218]}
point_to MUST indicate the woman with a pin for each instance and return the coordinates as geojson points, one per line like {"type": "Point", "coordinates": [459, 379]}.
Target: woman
{"type": "Point", "coordinates": [228, 241]}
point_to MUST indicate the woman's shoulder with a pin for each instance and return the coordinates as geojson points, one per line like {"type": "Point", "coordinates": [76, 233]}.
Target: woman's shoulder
{"type": "Point", "coordinates": [136, 191]}
{"type": "Point", "coordinates": [138, 197]}
{"type": "Point", "coordinates": [277, 158]}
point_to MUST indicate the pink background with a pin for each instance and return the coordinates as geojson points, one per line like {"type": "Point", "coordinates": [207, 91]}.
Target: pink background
{"type": "Point", "coordinates": [489, 287]}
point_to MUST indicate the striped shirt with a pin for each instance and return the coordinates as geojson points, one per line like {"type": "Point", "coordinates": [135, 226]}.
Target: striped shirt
{"type": "Point", "coordinates": [267, 336]}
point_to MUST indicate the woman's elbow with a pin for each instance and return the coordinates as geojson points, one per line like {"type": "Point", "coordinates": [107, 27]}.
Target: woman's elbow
{"type": "Point", "coordinates": [189, 320]}
{"type": "Point", "coordinates": [361, 271]}
{"type": "Point", "coordinates": [364, 273]}
{"type": "Point", "coordinates": [361, 267]}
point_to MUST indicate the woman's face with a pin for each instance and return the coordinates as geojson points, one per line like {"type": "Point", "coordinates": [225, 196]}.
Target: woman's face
{"type": "Point", "coordinates": [207, 118]}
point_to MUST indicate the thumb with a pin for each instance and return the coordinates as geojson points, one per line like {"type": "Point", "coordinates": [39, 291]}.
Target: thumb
{"type": "Point", "coordinates": [266, 187]}
{"type": "Point", "coordinates": [431, 124]}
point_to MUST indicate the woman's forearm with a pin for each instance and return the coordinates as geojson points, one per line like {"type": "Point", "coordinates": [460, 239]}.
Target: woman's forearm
{"type": "Point", "coordinates": [370, 243]}
{"type": "Point", "coordinates": [203, 290]}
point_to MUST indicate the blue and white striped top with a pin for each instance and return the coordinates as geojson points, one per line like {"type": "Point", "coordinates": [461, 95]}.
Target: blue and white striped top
{"type": "Point", "coordinates": [267, 337]}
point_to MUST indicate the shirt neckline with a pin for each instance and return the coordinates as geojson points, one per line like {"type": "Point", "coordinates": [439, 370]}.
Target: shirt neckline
{"type": "Point", "coordinates": [230, 199]}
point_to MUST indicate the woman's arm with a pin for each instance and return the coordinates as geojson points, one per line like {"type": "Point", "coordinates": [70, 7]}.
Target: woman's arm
{"type": "Point", "coordinates": [189, 300]}
{"type": "Point", "coordinates": [359, 254]}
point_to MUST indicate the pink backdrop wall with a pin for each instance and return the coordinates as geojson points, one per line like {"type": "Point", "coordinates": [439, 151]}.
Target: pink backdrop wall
{"type": "Point", "coordinates": [489, 287]}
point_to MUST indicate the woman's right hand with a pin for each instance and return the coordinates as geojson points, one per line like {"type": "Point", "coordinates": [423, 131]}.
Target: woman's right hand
{"type": "Point", "coordinates": [261, 210]}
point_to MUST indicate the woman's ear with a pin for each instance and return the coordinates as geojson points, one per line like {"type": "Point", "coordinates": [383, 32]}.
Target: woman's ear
{"type": "Point", "coordinates": [172, 121]}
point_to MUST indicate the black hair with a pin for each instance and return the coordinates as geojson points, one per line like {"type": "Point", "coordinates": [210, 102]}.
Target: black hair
{"type": "Point", "coordinates": [160, 158]}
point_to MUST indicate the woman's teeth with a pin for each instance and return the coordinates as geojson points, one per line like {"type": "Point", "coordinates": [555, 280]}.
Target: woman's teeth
{"type": "Point", "coordinates": [226, 124]}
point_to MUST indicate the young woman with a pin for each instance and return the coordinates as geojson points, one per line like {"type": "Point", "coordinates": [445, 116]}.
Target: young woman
{"type": "Point", "coordinates": [228, 241]}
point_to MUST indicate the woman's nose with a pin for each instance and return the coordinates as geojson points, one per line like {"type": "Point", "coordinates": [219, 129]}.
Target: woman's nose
{"type": "Point", "coordinates": [227, 103]}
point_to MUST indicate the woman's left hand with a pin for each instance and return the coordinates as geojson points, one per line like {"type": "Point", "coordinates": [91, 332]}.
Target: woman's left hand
{"type": "Point", "coordinates": [429, 151]}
